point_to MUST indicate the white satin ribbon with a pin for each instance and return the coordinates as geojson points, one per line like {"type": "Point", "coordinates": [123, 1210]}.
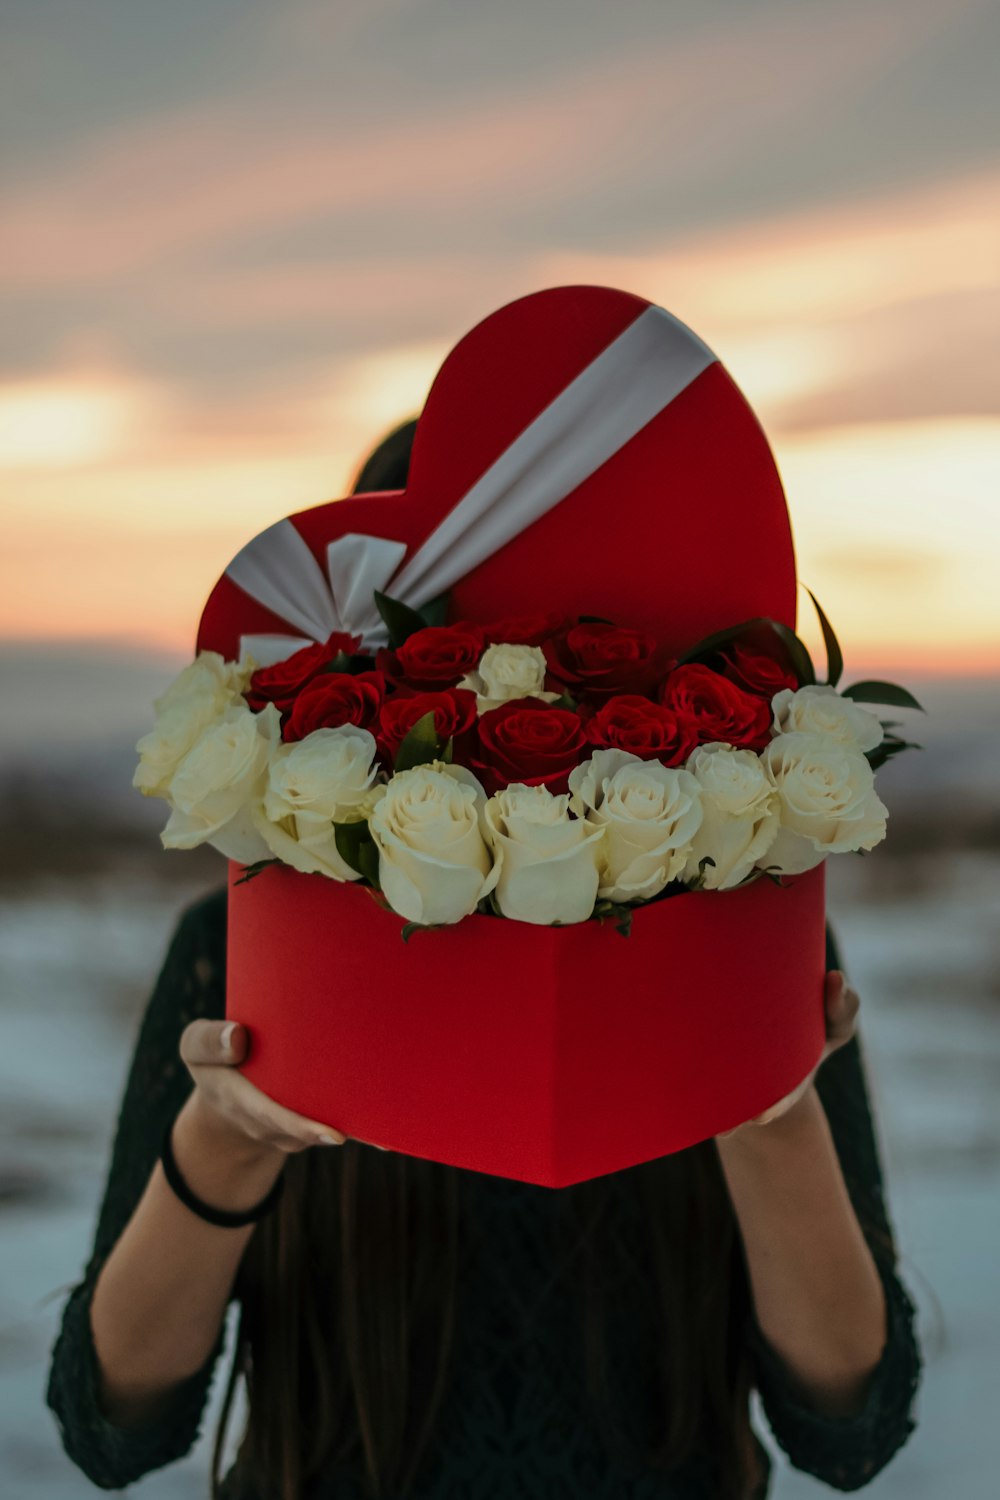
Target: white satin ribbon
{"type": "Point", "coordinates": [614, 397]}
{"type": "Point", "coordinates": [279, 571]}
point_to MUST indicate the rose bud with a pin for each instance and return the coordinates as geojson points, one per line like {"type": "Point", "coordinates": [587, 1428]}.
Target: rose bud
{"type": "Point", "coordinates": [454, 713]}
{"type": "Point", "coordinates": [547, 861]}
{"type": "Point", "coordinates": [827, 803]}
{"type": "Point", "coordinates": [594, 660]}
{"type": "Point", "coordinates": [739, 815]}
{"type": "Point", "coordinates": [757, 670]}
{"type": "Point", "coordinates": [717, 708]}
{"type": "Point", "coordinates": [505, 672]}
{"type": "Point", "coordinates": [649, 730]}
{"type": "Point", "coordinates": [433, 659]}
{"type": "Point", "coordinates": [527, 741]}
{"type": "Point", "coordinates": [819, 709]}
{"type": "Point", "coordinates": [649, 813]}
{"type": "Point", "coordinates": [335, 698]}
{"type": "Point", "coordinates": [434, 864]}
{"type": "Point", "coordinates": [280, 684]}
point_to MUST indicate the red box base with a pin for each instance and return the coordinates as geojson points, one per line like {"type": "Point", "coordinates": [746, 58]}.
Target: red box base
{"type": "Point", "coordinates": [549, 1055]}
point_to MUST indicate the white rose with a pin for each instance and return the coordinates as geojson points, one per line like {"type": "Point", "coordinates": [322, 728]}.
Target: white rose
{"type": "Point", "coordinates": [506, 672]}
{"type": "Point", "coordinates": [739, 814]}
{"type": "Point", "coordinates": [827, 801]}
{"type": "Point", "coordinates": [209, 675]}
{"type": "Point", "coordinates": [326, 778]}
{"type": "Point", "coordinates": [820, 709]}
{"type": "Point", "coordinates": [650, 814]}
{"type": "Point", "coordinates": [198, 696]}
{"type": "Point", "coordinates": [434, 865]}
{"type": "Point", "coordinates": [217, 783]}
{"type": "Point", "coordinates": [546, 860]}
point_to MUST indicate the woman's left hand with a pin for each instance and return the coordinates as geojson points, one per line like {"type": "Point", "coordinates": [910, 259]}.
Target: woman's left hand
{"type": "Point", "coordinates": [842, 1004]}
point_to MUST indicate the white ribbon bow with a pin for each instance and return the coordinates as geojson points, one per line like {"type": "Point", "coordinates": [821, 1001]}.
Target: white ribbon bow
{"type": "Point", "coordinates": [279, 571]}
{"type": "Point", "coordinates": [614, 397]}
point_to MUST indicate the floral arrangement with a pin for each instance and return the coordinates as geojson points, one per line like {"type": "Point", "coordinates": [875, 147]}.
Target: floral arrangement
{"type": "Point", "coordinates": [537, 768]}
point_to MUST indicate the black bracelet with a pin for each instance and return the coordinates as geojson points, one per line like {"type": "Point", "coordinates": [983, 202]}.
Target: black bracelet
{"type": "Point", "coordinates": [222, 1218]}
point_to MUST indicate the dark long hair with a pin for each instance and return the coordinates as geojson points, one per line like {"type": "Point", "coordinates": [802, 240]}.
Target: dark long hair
{"type": "Point", "coordinates": [349, 1298]}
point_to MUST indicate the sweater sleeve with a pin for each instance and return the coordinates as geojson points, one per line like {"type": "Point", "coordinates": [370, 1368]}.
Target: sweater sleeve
{"type": "Point", "coordinates": [190, 985]}
{"type": "Point", "coordinates": [847, 1452]}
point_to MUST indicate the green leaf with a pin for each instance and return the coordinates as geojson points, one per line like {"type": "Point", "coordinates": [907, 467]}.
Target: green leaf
{"type": "Point", "coordinates": [419, 745]}
{"type": "Point", "coordinates": [595, 620]}
{"type": "Point", "coordinates": [718, 640]}
{"type": "Point", "coordinates": [888, 748]}
{"type": "Point", "coordinates": [797, 651]}
{"type": "Point", "coordinates": [349, 838]}
{"type": "Point", "coordinates": [400, 620]}
{"type": "Point", "coordinates": [623, 921]}
{"type": "Point", "coordinates": [881, 692]}
{"type": "Point", "coordinates": [368, 862]}
{"type": "Point", "coordinates": [834, 655]}
{"type": "Point", "coordinates": [352, 662]}
{"type": "Point", "coordinates": [249, 871]}
{"type": "Point", "coordinates": [409, 928]}
{"type": "Point", "coordinates": [435, 611]}
{"type": "Point", "coordinates": [565, 700]}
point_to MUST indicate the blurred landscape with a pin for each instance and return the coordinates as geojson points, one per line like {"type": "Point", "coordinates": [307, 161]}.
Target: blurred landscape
{"type": "Point", "coordinates": [88, 899]}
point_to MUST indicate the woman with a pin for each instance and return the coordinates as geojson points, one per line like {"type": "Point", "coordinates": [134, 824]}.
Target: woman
{"type": "Point", "coordinates": [408, 1328]}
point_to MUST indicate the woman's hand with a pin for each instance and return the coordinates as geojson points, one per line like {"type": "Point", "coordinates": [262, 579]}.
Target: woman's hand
{"type": "Point", "coordinates": [842, 1005]}
{"type": "Point", "coordinates": [227, 1106]}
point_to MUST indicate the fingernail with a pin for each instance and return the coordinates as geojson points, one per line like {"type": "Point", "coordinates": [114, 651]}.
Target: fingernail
{"type": "Point", "coordinates": [226, 1039]}
{"type": "Point", "coordinates": [331, 1140]}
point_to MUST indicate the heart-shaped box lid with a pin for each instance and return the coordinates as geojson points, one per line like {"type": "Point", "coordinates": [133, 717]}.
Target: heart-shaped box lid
{"type": "Point", "coordinates": [617, 470]}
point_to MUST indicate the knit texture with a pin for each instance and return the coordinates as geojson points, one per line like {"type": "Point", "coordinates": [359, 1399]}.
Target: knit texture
{"type": "Point", "coordinates": [513, 1424]}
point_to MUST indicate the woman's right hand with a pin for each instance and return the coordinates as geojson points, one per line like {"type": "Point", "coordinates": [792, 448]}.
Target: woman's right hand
{"type": "Point", "coordinates": [228, 1105]}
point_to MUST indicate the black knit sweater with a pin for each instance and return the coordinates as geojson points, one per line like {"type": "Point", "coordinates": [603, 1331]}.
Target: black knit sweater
{"type": "Point", "coordinates": [514, 1423]}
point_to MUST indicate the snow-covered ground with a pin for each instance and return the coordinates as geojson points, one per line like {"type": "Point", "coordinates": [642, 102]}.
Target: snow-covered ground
{"type": "Point", "coordinates": [75, 964]}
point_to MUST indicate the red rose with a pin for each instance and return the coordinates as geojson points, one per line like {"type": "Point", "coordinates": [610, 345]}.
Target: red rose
{"type": "Point", "coordinates": [434, 658]}
{"type": "Point", "coordinates": [646, 729]}
{"type": "Point", "coordinates": [759, 671]}
{"type": "Point", "coordinates": [597, 661]}
{"type": "Point", "coordinates": [281, 683]}
{"type": "Point", "coordinates": [526, 740]}
{"type": "Point", "coordinates": [333, 699]}
{"type": "Point", "coordinates": [522, 630]}
{"type": "Point", "coordinates": [454, 713]}
{"type": "Point", "coordinates": [717, 708]}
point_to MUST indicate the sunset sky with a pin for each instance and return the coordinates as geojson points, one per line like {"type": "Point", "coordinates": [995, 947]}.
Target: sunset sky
{"type": "Point", "coordinates": [239, 239]}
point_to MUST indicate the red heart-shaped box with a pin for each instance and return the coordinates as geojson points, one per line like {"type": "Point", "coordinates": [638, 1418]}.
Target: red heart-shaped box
{"type": "Point", "coordinates": [550, 1055]}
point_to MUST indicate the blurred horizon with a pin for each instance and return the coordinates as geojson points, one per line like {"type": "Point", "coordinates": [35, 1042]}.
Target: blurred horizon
{"type": "Point", "coordinates": [239, 244]}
